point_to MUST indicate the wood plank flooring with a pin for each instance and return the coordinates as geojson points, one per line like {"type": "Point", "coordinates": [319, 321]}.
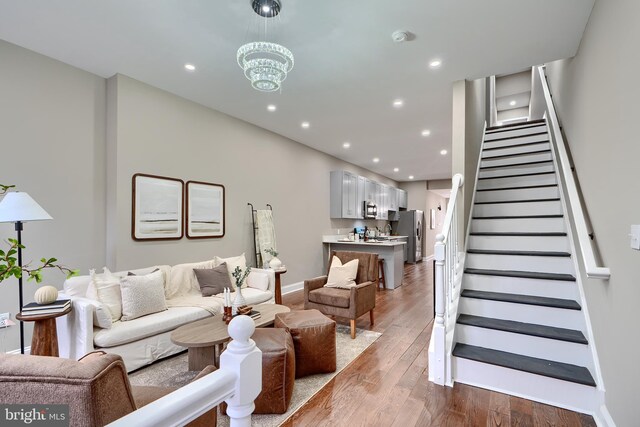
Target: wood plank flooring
{"type": "Point", "coordinates": [388, 384]}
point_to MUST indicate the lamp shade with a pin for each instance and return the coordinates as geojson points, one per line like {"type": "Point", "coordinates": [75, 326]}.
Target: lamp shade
{"type": "Point", "coordinates": [18, 206]}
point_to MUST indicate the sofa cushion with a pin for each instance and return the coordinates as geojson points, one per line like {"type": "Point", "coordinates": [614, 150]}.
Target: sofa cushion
{"type": "Point", "coordinates": [101, 315]}
{"type": "Point", "coordinates": [251, 295]}
{"type": "Point", "coordinates": [258, 280]}
{"type": "Point", "coordinates": [146, 326]}
{"type": "Point", "coordinates": [142, 295]}
{"type": "Point", "coordinates": [342, 275]}
{"type": "Point", "coordinates": [105, 288]}
{"type": "Point", "coordinates": [213, 281]}
{"type": "Point", "coordinates": [182, 279]}
{"type": "Point", "coordinates": [331, 296]}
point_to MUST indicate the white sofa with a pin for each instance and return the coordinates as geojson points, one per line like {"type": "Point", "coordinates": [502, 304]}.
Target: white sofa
{"type": "Point", "coordinates": [146, 339]}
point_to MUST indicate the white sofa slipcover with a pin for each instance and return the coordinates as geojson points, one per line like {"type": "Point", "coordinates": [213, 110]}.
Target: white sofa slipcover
{"type": "Point", "coordinates": [146, 339]}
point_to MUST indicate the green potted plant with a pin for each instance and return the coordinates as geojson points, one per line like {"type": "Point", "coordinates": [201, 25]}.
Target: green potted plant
{"type": "Point", "coordinates": [274, 263]}
{"type": "Point", "coordinates": [239, 276]}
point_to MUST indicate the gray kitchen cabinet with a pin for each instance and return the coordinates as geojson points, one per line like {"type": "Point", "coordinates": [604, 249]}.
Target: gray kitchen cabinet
{"type": "Point", "coordinates": [402, 199]}
{"type": "Point", "coordinates": [343, 195]}
{"type": "Point", "coordinates": [361, 196]}
{"type": "Point", "coordinates": [393, 198]}
{"type": "Point", "coordinates": [383, 207]}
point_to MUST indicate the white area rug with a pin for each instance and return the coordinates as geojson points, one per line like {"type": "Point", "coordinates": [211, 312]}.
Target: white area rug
{"type": "Point", "coordinates": [172, 372]}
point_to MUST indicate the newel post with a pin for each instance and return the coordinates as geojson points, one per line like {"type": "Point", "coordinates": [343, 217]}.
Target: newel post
{"type": "Point", "coordinates": [244, 359]}
{"type": "Point", "coordinates": [439, 328]}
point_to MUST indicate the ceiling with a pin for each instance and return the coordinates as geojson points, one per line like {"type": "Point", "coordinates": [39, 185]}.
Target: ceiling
{"type": "Point", "coordinates": [347, 68]}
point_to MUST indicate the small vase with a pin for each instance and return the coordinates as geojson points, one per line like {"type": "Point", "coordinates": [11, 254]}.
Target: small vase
{"type": "Point", "coordinates": [275, 263]}
{"type": "Point", "coordinates": [239, 301]}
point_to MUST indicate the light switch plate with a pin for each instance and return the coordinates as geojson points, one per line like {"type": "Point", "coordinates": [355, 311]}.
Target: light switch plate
{"type": "Point", "coordinates": [635, 237]}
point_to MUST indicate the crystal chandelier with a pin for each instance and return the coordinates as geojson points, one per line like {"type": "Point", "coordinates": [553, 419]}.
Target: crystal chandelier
{"type": "Point", "coordinates": [265, 64]}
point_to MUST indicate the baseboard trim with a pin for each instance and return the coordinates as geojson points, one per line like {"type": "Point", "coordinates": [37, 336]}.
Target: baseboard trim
{"type": "Point", "coordinates": [293, 287]}
{"type": "Point", "coordinates": [27, 350]}
{"type": "Point", "coordinates": [603, 418]}
{"type": "Point", "coordinates": [429, 258]}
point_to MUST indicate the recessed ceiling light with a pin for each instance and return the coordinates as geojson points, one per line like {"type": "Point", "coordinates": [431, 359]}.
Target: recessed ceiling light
{"type": "Point", "coordinates": [376, 160]}
{"type": "Point", "coordinates": [266, 9]}
{"type": "Point", "coordinates": [305, 125]}
{"type": "Point", "coordinates": [410, 176]}
{"type": "Point", "coordinates": [436, 63]}
{"type": "Point", "coordinates": [396, 170]}
{"type": "Point", "coordinates": [426, 132]}
{"type": "Point", "coordinates": [190, 67]}
{"type": "Point", "coordinates": [443, 152]}
{"type": "Point", "coordinates": [512, 103]}
{"type": "Point", "coordinates": [398, 103]}
{"type": "Point", "coordinates": [271, 107]}
{"type": "Point", "coordinates": [346, 144]}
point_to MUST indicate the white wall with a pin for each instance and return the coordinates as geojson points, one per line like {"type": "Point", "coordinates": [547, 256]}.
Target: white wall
{"type": "Point", "coordinates": [52, 135]}
{"type": "Point", "coordinates": [598, 108]}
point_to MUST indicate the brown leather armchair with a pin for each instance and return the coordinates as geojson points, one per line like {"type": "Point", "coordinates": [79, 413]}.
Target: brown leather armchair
{"type": "Point", "coordinates": [96, 387]}
{"type": "Point", "coordinates": [350, 303]}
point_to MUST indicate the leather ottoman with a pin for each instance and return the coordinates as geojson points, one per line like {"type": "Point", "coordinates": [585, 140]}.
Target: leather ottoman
{"type": "Point", "coordinates": [278, 371]}
{"type": "Point", "coordinates": [314, 338]}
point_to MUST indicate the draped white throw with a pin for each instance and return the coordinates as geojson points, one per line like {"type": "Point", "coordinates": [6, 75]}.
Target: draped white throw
{"type": "Point", "coordinates": [266, 233]}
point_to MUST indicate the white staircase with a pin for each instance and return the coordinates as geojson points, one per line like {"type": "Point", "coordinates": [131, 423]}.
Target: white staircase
{"type": "Point", "coordinates": [521, 326]}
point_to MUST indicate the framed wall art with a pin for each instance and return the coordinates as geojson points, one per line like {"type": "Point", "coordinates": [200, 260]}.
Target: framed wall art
{"type": "Point", "coordinates": [204, 210]}
{"type": "Point", "coordinates": [157, 208]}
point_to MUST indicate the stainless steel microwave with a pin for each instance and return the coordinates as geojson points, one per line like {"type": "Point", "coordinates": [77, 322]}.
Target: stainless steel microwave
{"type": "Point", "coordinates": [370, 210]}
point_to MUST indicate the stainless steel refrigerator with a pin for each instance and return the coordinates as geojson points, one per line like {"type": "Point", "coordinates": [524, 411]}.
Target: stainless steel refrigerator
{"type": "Point", "coordinates": [410, 224]}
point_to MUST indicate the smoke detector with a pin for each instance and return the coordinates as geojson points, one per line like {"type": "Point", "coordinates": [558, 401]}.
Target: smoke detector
{"type": "Point", "coordinates": [400, 36]}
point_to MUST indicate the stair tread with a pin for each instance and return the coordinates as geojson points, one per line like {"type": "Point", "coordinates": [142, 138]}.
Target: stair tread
{"type": "Point", "coordinates": [522, 187]}
{"type": "Point", "coordinates": [518, 175]}
{"type": "Point", "coordinates": [520, 233]}
{"type": "Point", "coordinates": [518, 253]}
{"type": "Point", "coordinates": [521, 274]}
{"type": "Point", "coordinates": [518, 216]}
{"type": "Point", "coordinates": [524, 144]}
{"type": "Point", "coordinates": [513, 125]}
{"type": "Point", "coordinates": [554, 199]}
{"type": "Point", "coordinates": [533, 365]}
{"type": "Point", "coordinates": [515, 137]}
{"type": "Point", "coordinates": [537, 162]}
{"type": "Point", "coordinates": [527, 153]}
{"type": "Point", "coordinates": [534, 330]}
{"type": "Point", "coordinates": [523, 299]}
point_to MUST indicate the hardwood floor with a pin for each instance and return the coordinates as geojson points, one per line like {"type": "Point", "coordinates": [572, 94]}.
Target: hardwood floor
{"type": "Point", "coordinates": [388, 384]}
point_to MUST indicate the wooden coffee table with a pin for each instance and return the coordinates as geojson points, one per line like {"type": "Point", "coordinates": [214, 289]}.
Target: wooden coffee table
{"type": "Point", "coordinates": [205, 338]}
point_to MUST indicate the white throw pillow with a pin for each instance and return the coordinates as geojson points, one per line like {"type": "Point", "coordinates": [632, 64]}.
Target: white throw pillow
{"type": "Point", "coordinates": [183, 281]}
{"type": "Point", "coordinates": [342, 276]}
{"type": "Point", "coordinates": [106, 289]}
{"type": "Point", "coordinates": [258, 280]}
{"type": "Point", "coordinates": [142, 295]}
{"type": "Point", "coordinates": [101, 315]}
{"type": "Point", "coordinates": [232, 263]}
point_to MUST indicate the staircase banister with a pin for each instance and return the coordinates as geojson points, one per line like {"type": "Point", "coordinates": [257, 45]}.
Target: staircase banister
{"type": "Point", "coordinates": [456, 183]}
{"type": "Point", "coordinates": [577, 209]}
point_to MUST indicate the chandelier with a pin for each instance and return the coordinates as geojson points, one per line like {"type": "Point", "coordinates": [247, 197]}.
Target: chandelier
{"type": "Point", "coordinates": [265, 64]}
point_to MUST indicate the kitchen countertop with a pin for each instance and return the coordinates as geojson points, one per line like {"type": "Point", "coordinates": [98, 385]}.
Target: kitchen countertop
{"type": "Point", "coordinates": [336, 239]}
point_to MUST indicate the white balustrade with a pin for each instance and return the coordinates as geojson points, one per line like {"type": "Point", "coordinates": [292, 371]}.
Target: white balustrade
{"type": "Point", "coordinates": [238, 382]}
{"type": "Point", "coordinates": [447, 270]}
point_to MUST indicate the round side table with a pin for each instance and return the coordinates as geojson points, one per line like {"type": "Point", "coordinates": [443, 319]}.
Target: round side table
{"type": "Point", "coordinates": [45, 334]}
{"type": "Point", "coordinates": [278, 289]}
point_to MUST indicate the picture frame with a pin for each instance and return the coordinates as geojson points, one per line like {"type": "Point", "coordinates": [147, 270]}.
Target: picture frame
{"type": "Point", "coordinates": [205, 210]}
{"type": "Point", "coordinates": [432, 219]}
{"type": "Point", "coordinates": [157, 208]}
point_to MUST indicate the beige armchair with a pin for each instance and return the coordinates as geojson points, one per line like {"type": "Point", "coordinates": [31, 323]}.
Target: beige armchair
{"type": "Point", "coordinates": [96, 387]}
{"type": "Point", "coordinates": [350, 303]}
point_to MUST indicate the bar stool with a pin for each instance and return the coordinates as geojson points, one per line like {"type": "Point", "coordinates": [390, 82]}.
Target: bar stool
{"type": "Point", "coordinates": [381, 280]}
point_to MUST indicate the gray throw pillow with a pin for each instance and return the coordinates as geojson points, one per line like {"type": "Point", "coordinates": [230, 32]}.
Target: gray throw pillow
{"type": "Point", "coordinates": [212, 281]}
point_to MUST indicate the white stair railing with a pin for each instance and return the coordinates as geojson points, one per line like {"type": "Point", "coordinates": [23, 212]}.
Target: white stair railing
{"type": "Point", "coordinates": [238, 382]}
{"type": "Point", "coordinates": [447, 275]}
{"type": "Point", "coordinates": [565, 170]}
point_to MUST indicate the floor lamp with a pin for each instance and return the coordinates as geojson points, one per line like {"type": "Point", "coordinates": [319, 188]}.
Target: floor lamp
{"type": "Point", "coordinates": [18, 207]}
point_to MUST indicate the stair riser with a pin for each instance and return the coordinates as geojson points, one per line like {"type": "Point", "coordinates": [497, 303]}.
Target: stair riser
{"type": "Point", "coordinates": [520, 224]}
{"type": "Point", "coordinates": [520, 243]}
{"type": "Point", "coordinates": [555, 392]}
{"type": "Point", "coordinates": [520, 194]}
{"type": "Point", "coordinates": [510, 161]}
{"type": "Point", "coordinates": [515, 132]}
{"type": "Point", "coordinates": [524, 181]}
{"type": "Point", "coordinates": [526, 345]}
{"type": "Point", "coordinates": [521, 263]}
{"type": "Point", "coordinates": [557, 317]}
{"type": "Point", "coordinates": [516, 150]}
{"type": "Point", "coordinates": [515, 170]}
{"type": "Point", "coordinates": [518, 285]}
{"type": "Point", "coordinates": [516, 209]}
{"type": "Point", "coordinates": [493, 143]}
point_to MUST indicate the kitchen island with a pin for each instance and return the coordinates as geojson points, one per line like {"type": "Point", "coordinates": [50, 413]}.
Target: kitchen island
{"type": "Point", "coordinates": [391, 251]}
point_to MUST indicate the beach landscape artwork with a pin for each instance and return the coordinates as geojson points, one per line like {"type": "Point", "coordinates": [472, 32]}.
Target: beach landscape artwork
{"type": "Point", "coordinates": [157, 208]}
{"type": "Point", "coordinates": [205, 210]}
